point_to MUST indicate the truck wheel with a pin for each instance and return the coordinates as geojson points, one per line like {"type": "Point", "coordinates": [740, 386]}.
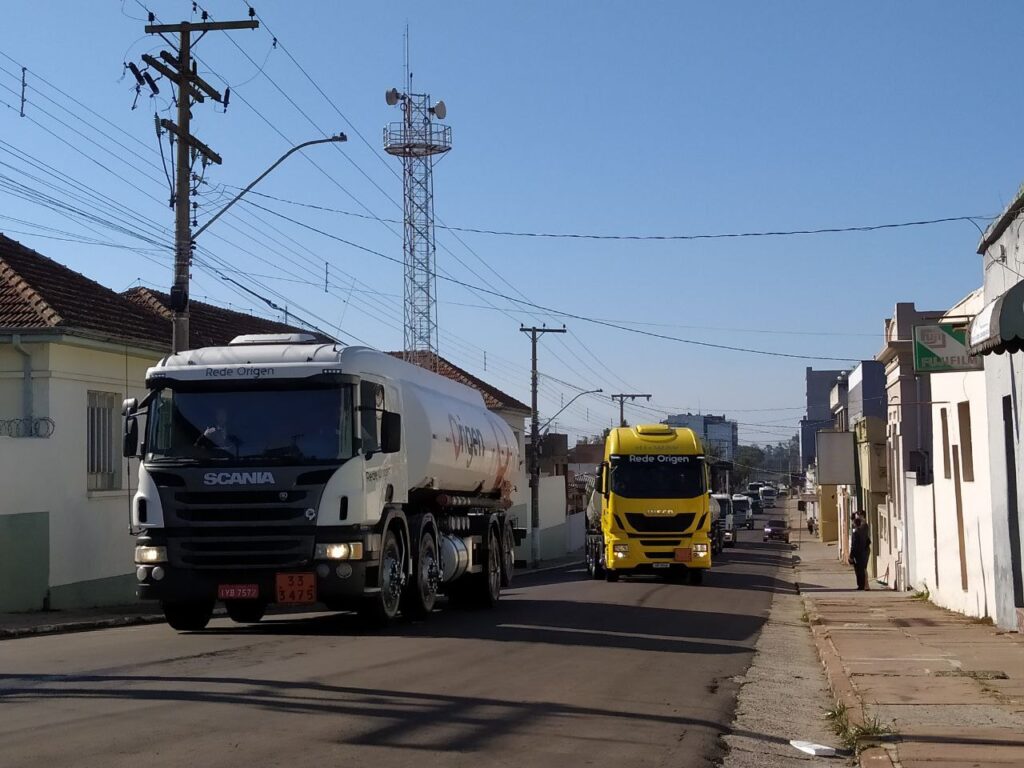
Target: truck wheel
{"type": "Point", "coordinates": [610, 575]}
{"type": "Point", "coordinates": [421, 592]}
{"type": "Point", "coordinates": [380, 609]}
{"type": "Point", "coordinates": [696, 577]}
{"type": "Point", "coordinates": [508, 560]}
{"type": "Point", "coordinates": [245, 611]}
{"type": "Point", "coordinates": [188, 617]}
{"type": "Point", "coordinates": [594, 565]}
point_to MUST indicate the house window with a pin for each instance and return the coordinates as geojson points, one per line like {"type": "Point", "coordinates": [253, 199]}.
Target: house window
{"type": "Point", "coordinates": [945, 444]}
{"type": "Point", "coordinates": [966, 447]}
{"type": "Point", "coordinates": [103, 458]}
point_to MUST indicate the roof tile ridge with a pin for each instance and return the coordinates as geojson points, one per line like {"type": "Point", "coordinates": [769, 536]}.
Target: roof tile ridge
{"type": "Point", "coordinates": [30, 295]}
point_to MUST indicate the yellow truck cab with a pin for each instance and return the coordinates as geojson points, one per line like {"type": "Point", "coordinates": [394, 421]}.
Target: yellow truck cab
{"type": "Point", "coordinates": [652, 493]}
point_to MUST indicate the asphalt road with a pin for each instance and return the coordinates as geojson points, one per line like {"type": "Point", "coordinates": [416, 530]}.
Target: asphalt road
{"type": "Point", "coordinates": [565, 672]}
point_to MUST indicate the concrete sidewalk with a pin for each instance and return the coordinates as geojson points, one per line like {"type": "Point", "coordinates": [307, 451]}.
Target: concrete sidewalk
{"type": "Point", "coordinates": [951, 689]}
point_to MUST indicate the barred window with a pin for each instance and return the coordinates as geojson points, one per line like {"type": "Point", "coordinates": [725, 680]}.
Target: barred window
{"type": "Point", "coordinates": [103, 457]}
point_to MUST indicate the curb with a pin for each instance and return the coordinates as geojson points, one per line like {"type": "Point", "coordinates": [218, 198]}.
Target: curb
{"type": "Point", "coordinates": [84, 625]}
{"type": "Point", "coordinates": [88, 625]}
{"type": "Point", "coordinates": [547, 568]}
{"type": "Point", "coordinates": [838, 682]}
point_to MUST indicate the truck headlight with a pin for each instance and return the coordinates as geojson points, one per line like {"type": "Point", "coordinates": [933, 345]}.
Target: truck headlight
{"type": "Point", "coordinates": [150, 555]}
{"type": "Point", "coordinates": [620, 550]}
{"type": "Point", "coordinates": [344, 551]}
{"type": "Point", "coordinates": [701, 550]}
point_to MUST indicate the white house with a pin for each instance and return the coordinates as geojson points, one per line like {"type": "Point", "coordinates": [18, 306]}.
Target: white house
{"type": "Point", "coordinates": [997, 332]}
{"type": "Point", "coordinates": [951, 518]}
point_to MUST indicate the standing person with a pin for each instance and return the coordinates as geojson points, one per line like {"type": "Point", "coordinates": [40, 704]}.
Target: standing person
{"type": "Point", "coordinates": [860, 548]}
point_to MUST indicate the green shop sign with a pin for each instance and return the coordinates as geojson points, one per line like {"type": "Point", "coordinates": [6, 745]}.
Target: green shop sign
{"type": "Point", "coordinates": [942, 348]}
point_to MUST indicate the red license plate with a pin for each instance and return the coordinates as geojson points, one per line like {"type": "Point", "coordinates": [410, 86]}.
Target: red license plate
{"type": "Point", "coordinates": [683, 555]}
{"type": "Point", "coordinates": [296, 588]}
{"type": "Point", "coordinates": [238, 591]}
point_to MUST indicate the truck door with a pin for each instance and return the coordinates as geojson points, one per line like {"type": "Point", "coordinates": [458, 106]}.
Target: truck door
{"type": "Point", "coordinates": [377, 465]}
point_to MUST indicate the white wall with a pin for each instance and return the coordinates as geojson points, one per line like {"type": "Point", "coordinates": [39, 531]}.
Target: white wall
{"type": "Point", "coordinates": [949, 389]}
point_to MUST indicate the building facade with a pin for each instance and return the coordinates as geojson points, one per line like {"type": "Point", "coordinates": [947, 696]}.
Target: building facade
{"type": "Point", "coordinates": [818, 414]}
{"type": "Point", "coordinates": [718, 432]}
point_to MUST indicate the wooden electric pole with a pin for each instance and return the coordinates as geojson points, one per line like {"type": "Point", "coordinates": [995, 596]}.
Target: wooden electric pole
{"type": "Point", "coordinates": [181, 70]}
{"type": "Point", "coordinates": [535, 444]}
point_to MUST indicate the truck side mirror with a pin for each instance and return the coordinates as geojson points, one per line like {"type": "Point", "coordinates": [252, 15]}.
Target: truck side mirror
{"type": "Point", "coordinates": [602, 479]}
{"type": "Point", "coordinates": [390, 432]}
{"type": "Point", "coordinates": [130, 442]}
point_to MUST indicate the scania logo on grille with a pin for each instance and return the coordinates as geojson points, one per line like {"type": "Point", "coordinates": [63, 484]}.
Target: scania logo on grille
{"type": "Point", "coordinates": [238, 478]}
{"type": "Point", "coordinates": [660, 512]}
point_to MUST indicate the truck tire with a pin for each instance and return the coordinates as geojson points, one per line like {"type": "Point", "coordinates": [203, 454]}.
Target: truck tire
{"type": "Point", "coordinates": [245, 611]}
{"type": "Point", "coordinates": [380, 609]}
{"type": "Point", "coordinates": [594, 565]}
{"type": "Point", "coordinates": [188, 617]}
{"type": "Point", "coordinates": [610, 575]}
{"type": "Point", "coordinates": [481, 590]}
{"type": "Point", "coordinates": [421, 592]}
{"type": "Point", "coordinates": [508, 559]}
{"type": "Point", "coordinates": [696, 576]}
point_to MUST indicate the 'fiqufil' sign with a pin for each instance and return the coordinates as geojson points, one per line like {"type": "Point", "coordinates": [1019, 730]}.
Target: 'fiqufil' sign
{"type": "Point", "coordinates": [942, 348]}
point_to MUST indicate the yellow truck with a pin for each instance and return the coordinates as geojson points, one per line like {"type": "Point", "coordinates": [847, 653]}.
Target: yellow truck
{"type": "Point", "coordinates": [650, 511]}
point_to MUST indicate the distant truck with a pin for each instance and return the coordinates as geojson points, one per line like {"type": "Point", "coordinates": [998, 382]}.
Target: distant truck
{"type": "Point", "coordinates": [768, 496]}
{"type": "Point", "coordinates": [277, 469]}
{"type": "Point", "coordinates": [651, 511]}
{"type": "Point", "coordinates": [727, 519]}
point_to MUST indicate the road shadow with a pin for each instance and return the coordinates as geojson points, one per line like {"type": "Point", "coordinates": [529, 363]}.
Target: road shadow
{"type": "Point", "coordinates": [554, 622]}
{"type": "Point", "coordinates": [384, 717]}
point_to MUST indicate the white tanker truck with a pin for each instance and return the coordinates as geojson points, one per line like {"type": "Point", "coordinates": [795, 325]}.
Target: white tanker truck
{"type": "Point", "coordinates": [282, 470]}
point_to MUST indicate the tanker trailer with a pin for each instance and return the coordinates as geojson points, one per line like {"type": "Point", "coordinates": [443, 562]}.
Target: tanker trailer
{"type": "Point", "coordinates": [277, 469]}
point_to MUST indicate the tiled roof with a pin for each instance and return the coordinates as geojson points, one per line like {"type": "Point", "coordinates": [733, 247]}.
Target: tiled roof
{"type": "Point", "coordinates": [37, 293]}
{"type": "Point", "coordinates": [494, 398]}
{"type": "Point", "coordinates": [210, 326]}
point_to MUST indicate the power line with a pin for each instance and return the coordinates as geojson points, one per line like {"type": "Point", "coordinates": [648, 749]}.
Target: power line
{"type": "Point", "coordinates": [703, 236]}
{"type": "Point", "coordinates": [558, 312]}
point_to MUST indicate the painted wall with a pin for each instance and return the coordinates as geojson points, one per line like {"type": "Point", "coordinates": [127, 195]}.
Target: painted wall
{"type": "Point", "coordinates": [89, 550]}
{"type": "Point", "coordinates": [1004, 377]}
{"type": "Point", "coordinates": [965, 578]}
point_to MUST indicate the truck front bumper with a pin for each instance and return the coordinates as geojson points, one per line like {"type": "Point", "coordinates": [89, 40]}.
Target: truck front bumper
{"type": "Point", "coordinates": [338, 584]}
{"type": "Point", "coordinates": [633, 554]}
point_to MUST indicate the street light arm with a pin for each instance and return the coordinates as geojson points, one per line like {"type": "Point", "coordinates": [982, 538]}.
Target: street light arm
{"type": "Point", "coordinates": [340, 137]}
{"type": "Point", "coordinates": [581, 394]}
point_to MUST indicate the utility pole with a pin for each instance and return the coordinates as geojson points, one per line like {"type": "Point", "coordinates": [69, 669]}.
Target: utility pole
{"type": "Point", "coordinates": [622, 402]}
{"type": "Point", "coordinates": [181, 70]}
{"type": "Point", "coordinates": [535, 333]}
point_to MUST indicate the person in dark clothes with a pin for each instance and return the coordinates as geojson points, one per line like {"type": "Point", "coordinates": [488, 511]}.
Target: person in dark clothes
{"type": "Point", "coordinates": [860, 548]}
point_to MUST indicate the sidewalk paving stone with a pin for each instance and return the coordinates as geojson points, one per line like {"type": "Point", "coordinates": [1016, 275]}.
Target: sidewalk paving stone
{"type": "Point", "coordinates": [951, 686]}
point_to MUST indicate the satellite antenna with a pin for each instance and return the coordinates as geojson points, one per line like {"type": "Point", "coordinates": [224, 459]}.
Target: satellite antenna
{"type": "Point", "coordinates": [440, 110]}
{"type": "Point", "coordinates": [391, 97]}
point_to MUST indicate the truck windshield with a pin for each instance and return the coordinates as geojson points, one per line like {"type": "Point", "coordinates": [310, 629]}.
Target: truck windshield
{"type": "Point", "coordinates": [657, 477]}
{"type": "Point", "coordinates": [252, 426]}
{"type": "Point", "coordinates": [741, 505]}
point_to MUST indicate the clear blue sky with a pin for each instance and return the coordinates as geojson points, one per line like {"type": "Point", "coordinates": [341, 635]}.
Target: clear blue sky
{"type": "Point", "coordinates": [611, 117]}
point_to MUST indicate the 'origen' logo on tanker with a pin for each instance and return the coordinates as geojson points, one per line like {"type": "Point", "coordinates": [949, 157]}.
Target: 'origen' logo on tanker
{"type": "Point", "coordinates": [238, 478]}
{"type": "Point", "coordinates": [469, 440]}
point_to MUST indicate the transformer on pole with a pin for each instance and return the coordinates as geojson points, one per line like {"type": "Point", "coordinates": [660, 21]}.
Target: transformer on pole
{"type": "Point", "coordinates": [417, 139]}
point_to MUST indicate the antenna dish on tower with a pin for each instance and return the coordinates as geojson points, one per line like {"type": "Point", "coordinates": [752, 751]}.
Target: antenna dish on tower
{"type": "Point", "coordinates": [391, 97]}
{"type": "Point", "coordinates": [440, 110]}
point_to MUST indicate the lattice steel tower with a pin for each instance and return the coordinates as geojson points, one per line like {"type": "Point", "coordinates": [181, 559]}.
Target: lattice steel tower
{"type": "Point", "coordinates": [418, 140]}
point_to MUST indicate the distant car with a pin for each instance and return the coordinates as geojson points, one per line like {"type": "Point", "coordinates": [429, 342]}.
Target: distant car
{"type": "Point", "coordinates": [743, 509]}
{"type": "Point", "coordinates": [776, 530]}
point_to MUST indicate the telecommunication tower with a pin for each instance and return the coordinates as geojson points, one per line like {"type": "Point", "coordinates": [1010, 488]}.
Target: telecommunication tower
{"type": "Point", "coordinates": [418, 140]}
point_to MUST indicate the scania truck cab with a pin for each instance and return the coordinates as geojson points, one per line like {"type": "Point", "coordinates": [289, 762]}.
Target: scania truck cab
{"type": "Point", "coordinates": [655, 513]}
{"type": "Point", "coordinates": [281, 470]}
